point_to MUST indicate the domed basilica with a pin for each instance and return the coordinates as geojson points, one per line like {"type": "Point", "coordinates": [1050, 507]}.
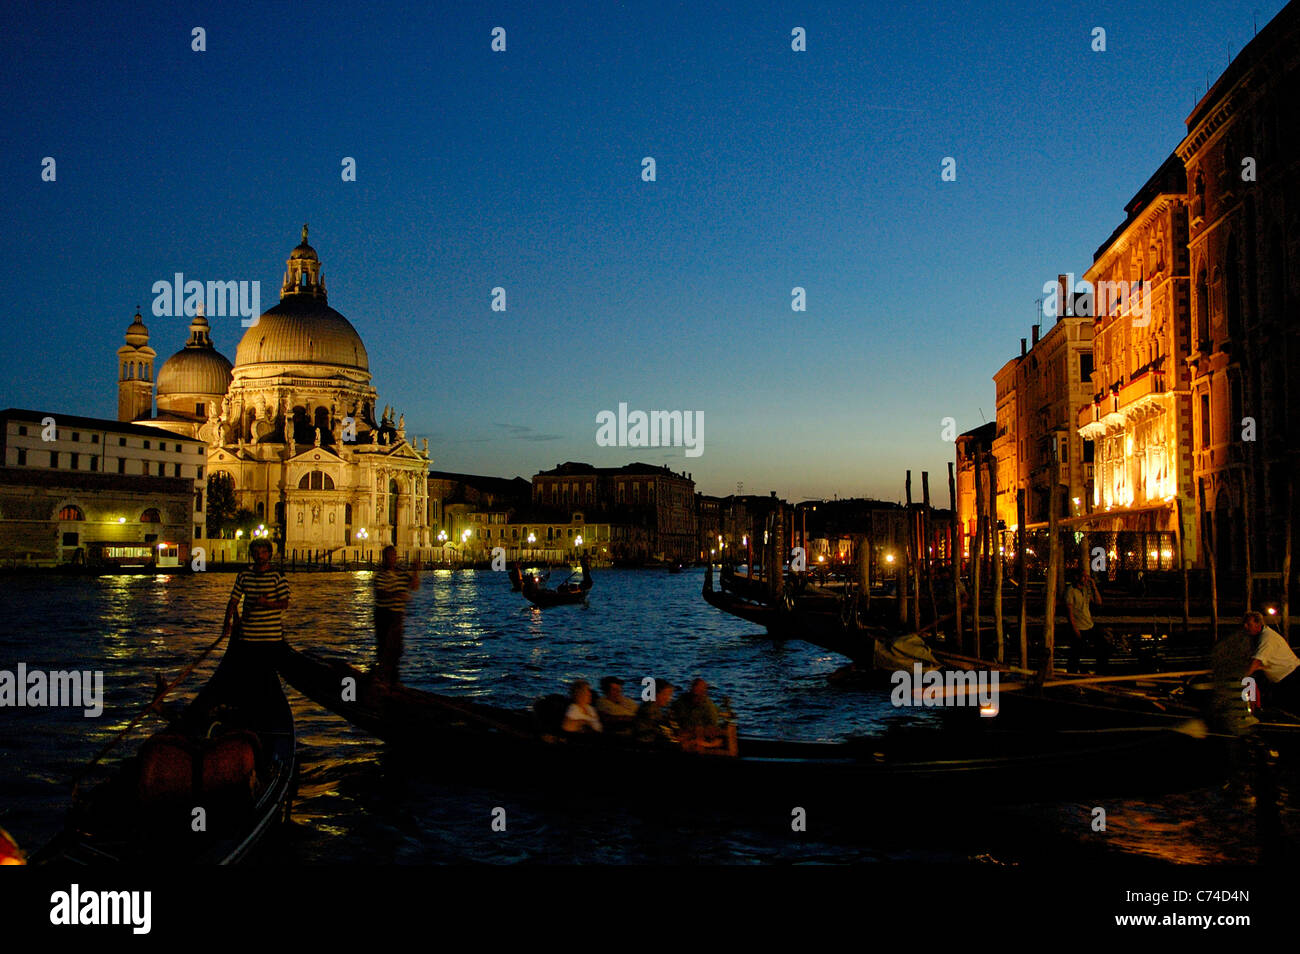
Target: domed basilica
{"type": "Point", "coordinates": [293, 421]}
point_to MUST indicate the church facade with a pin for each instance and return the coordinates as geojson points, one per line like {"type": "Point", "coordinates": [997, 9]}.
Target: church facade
{"type": "Point", "coordinates": [293, 422]}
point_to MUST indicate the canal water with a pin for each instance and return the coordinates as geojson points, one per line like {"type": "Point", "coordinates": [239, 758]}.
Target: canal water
{"type": "Point", "coordinates": [468, 635]}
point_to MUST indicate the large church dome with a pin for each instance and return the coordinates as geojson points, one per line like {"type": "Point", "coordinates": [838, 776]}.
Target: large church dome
{"type": "Point", "coordinates": [302, 328]}
{"type": "Point", "coordinates": [197, 369]}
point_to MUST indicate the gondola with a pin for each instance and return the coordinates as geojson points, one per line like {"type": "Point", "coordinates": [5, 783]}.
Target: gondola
{"type": "Point", "coordinates": [563, 595]}
{"type": "Point", "coordinates": [827, 629]}
{"type": "Point", "coordinates": [230, 752]}
{"type": "Point", "coordinates": [483, 744]}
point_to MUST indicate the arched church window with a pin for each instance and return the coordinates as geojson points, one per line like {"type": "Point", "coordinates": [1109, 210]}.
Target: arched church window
{"type": "Point", "coordinates": [151, 516]}
{"type": "Point", "coordinates": [71, 512]}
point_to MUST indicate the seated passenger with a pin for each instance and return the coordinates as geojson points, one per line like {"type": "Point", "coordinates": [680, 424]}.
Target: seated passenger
{"type": "Point", "coordinates": [696, 710]}
{"type": "Point", "coordinates": [581, 714]}
{"type": "Point", "coordinates": [654, 718]}
{"type": "Point", "coordinates": [613, 707]}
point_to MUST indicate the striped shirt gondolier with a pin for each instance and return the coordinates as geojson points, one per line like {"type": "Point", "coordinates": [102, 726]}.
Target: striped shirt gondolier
{"type": "Point", "coordinates": [390, 585]}
{"type": "Point", "coordinates": [261, 624]}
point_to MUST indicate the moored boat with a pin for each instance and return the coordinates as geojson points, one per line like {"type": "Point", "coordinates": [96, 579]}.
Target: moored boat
{"type": "Point", "coordinates": [487, 744]}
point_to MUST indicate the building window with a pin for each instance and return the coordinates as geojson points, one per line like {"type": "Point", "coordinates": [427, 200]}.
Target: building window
{"type": "Point", "coordinates": [121, 465]}
{"type": "Point", "coordinates": [151, 516]}
{"type": "Point", "coordinates": [1085, 368]}
{"type": "Point", "coordinates": [200, 471]}
{"type": "Point", "coordinates": [94, 462]}
{"type": "Point", "coordinates": [94, 438]}
{"type": "Point", "coordinates": [70, 539]}
{"type": "Point", "coordinates": [22, 430]}
{"type": "Point", "coordinates": [176, 470]}
{"type": "Point", "coordinates": [71, 512]}
{"type": "Point", "coordinates": [316, 480]}
{"type": "Point", "coordinates": [198, 501]}
{"type": "Point", "coordinates": [200, 410]}
{"type": "Point", "coordinates": [146, 445]}
{"type": "Point", "coordinates": [121, 442]}
{"type": "Point", "coordinates": [76, 435]}
{"type": "Point", "coordinates": [54, 458]}
{"type": "Point", "coordinates": [76, 459]}
{"type": "Point", "coordinates": [198, 532]}
{"type": "Point", "coordinates": [1205, 421]}
{"type": "Point", "coordinates": [22, 457]}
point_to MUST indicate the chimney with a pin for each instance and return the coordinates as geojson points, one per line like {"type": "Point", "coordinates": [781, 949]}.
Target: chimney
{"type": "Point", "coordinates": [1023, 351]}
{"type": "Point", "coordinates": [1034, 343]}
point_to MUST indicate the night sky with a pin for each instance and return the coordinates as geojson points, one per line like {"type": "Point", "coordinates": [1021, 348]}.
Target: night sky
{"type": "Point", "coordinates": [522, 169]}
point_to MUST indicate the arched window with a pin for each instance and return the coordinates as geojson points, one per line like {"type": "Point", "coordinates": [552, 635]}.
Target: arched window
{"type": "Point", "coordinates": [1202, 313]}
{"type": "Point", "coordinates": [71, 512]}
{"type": "Point", "coordinates": [316, 480]}
{"type": "Point", "coordinates": [151, 516]}
{"type": "Point", "coordinates": [347, 514]}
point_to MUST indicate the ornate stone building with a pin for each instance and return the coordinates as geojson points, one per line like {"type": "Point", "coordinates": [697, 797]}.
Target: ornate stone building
{"type": "Point", "coordinates": [1242, 159]}
{"type": "Point", "coordinates": [1139, 419]}
{"type": "Point", "coordinates": [294, 423]}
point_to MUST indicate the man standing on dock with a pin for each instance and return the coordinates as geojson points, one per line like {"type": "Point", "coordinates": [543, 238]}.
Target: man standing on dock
{"type": "Point", "coordinates": [392, 590]}
{"type": "Point", "coordinates": [1080, 594]}
{"type": "Point", "coordinates": [1278, 662]}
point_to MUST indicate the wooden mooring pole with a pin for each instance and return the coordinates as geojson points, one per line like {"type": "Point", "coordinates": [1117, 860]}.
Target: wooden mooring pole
{"type": "Point", "coordinates": [928, 543]}
{"type": "Point", "coordinates": [954, 553]}
{"type": "Point", "coordinates": [1053, 569]}
{"type": "Point", "coordinates": [1207, 536]}
{"type": "Point", "coordinates": [1023, 572]}
{"type": "Point", "coordinates": [976, 559]}
{"type": "Point", "coordinates": [996, 547]}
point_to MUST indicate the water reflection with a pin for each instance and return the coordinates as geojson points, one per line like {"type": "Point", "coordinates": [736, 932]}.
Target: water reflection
{"type": "Point", "coordinates": [468, 634]}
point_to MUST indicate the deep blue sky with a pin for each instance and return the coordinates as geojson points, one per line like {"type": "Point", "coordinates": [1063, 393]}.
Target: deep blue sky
{"type": "Point", "coordinates": [522, 169]}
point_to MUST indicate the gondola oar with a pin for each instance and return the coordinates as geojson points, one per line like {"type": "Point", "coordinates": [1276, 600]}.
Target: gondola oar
{"type": "Point", "coordinates": [153, 706]}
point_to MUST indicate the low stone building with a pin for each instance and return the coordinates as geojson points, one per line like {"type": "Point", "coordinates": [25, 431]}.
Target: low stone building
{"type": "Point", "coordinates": [78, 489]}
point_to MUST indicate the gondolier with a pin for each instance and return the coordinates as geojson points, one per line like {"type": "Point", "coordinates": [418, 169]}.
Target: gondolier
{"type": "Point", "coordinates": [265, 596]}
{"type": "Point", "coordinates": [1274, 657]}
{"type": "Point", "coordinates": [392, 590]}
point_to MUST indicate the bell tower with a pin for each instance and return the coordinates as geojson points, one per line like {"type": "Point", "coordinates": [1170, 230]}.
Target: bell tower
{"type": "Point", "coordinates": [135, 373]}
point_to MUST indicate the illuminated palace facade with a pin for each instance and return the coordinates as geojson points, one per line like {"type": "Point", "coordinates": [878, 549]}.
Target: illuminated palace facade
{"type": "Point", "coordinates": [1139, 418]}
{"type": "Point", "coordinates": [1191, 397]}
{"type": "Point", "coordinates": [294, 422]}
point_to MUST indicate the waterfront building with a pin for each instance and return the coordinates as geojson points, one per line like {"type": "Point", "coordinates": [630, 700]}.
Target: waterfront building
{"type": "Point", "coordinates": [1139, 415]}
{"type": "Point", "coordinates": [651, 509]}
{"type": "Point", "coordinates": [1036, 442]}
{"type": "Point", "coordinates": [294, 423]}
{"type": "Point", "coordinates": [1242, 159]}
{"type": "Point", "coordinates": [81, 489]}
{"type": "Point", "coordinates": [973, 449]}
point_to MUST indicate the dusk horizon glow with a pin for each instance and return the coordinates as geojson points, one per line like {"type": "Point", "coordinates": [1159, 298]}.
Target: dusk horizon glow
{"type": "Point", "coordinates": [522, 170]}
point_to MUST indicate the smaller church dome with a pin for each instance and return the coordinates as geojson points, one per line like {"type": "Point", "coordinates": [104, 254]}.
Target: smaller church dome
{"type": "Point", "coordinates": [136, 333]}
{"type": "Point", "coordinates": [198, 368]}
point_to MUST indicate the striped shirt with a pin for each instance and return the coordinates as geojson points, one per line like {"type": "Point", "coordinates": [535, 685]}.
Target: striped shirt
{"type": "Point", "coordinates": [390, 585]}
{"type": "Point", "coordinates": [260, 624]}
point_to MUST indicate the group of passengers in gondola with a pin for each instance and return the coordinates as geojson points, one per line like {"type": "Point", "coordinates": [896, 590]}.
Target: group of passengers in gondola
{"type": "Point", "coordinates": [658, 719]}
